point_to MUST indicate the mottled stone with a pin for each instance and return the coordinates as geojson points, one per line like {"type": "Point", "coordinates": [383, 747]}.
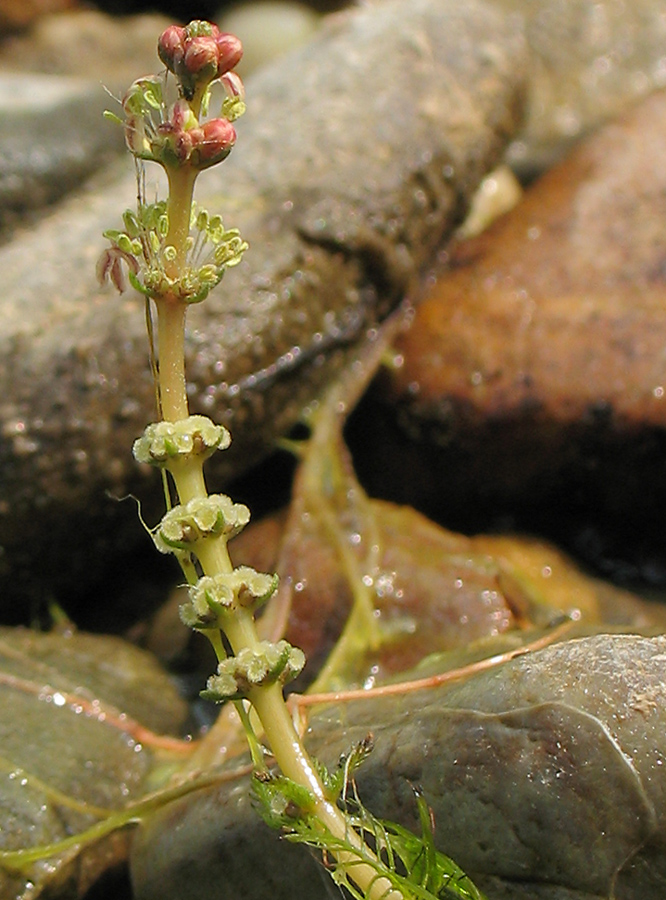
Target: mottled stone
{"type": "Point", "coordinates": [532, 769]}
{"type": "Point", "coordinates": [52, 136]}
{"type": "Point", "coordinates": [356, 159]}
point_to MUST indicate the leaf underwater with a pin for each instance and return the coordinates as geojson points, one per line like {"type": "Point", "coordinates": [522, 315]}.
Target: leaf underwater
{"type": "Point", "coordinates": [68, 755]}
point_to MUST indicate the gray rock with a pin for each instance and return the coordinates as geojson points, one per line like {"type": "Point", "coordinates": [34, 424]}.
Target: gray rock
{"type": "Point", "coordinates": [546, 777]}
{"type": "Point", "coordinates": [52, 136]}
{"type": "Point", "coordinates": [590, 61]}
{"type": "Point", "coordinates": [356, 159]}
{"type": "Point", "coordinates": [87, 44]}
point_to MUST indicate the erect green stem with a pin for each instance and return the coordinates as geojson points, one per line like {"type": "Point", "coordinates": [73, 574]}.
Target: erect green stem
{"type": "Point", "coordinates": [171, 343]}
{"type": "Point", "coordinates": [197, 99]}
{"type": "Point", "coordinates": [213, 556]}
{"type": "Point", "coordinates": [179, 209]}
{"type": "Point", "coordinates": [241, 632]}
{"type": "Point", "coordinates": [171, 310]}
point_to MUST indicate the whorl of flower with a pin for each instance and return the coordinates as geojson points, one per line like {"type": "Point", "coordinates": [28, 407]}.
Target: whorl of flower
{"type": "Point", "coordinates": [213, 596]}
{"type": "Point", "coordinates": [164, 442]}
{"type": "Point", "coordinates": [211, 250]}
{"type": "Point", "coordinates": [173, 136]}
{"type": "Point", "coordinates": [200, 518]}
{"type": "Point", "coordinates": [198, 54]}
{"type": "Point", "coordinates": [264, 664]}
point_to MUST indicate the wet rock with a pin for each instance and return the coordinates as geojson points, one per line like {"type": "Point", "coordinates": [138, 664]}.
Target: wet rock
{"type": "Point", "coordinates": [534, 372]}
{"type": "Point", "coordinates": [52, 132]}
{"type": "Point", "coordinates": [106, 707]}
{"type": "Point", "coordinates": [338, 235]}
{"type": "Point", "coordinates": [590, 61]}
{"type": "Point", "coordinates": [52, 136]}
{"type": "Point", "coordinates": [532, 769]}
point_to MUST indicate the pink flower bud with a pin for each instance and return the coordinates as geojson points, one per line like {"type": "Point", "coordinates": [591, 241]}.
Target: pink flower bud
{"type": "Point", "coordinates": [201, 53]}
{"type": "Point", "coordinates": [171, 46]}
{"type": "Point", "coordinates": [218, 137]}
{"type": "Point", "coordinates": [230, 52]}
{"type": "Point", "coordinates": [185, 141]}
{"type": "Point", "coordinates": [180, 116]}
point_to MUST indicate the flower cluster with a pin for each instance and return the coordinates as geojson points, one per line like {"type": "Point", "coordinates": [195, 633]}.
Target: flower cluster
{"type": "Point", "coordinates": [164, 442]}
{"type": "Point", "coordinates": [259, 666]}
{"type": "Point", "coordinates": [201, 518]}
{"type": "Point", "coordinates": [213, 596]}
{"type": "Point", "coordinates": [172, 134]}
{"type": "Point", "coordinates": [143, 248]}
{"type": "Point", "coordinates": [198, 54]}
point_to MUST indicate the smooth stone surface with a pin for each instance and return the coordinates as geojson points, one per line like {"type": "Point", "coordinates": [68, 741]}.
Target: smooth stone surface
{"type": "Point", "coordinates": [591, 60]}
{"type": "Point", "coordinates": [269, 28]}
{"type": "Point", "coordinates": [534, 373]}
{"type": "Point", "coordinates": [89, 44]}
{"type": "Point", "coordinates": [533, 770]}
{"type": "Point", "coordinates": [52, 136]}
{"type": "Point", "coordinates": [338, 236]}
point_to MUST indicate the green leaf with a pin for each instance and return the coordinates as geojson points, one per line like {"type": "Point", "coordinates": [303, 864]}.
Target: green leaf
{"type": "Point", "coordinates": [431, 870]}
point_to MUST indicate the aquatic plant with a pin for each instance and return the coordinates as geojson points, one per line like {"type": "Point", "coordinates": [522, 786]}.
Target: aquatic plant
{"type": "Point", "coordinates": [174, 253]}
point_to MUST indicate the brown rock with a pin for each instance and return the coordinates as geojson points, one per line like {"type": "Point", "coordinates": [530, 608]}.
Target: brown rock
{"type": "Point", "coordinates": [536, 361]}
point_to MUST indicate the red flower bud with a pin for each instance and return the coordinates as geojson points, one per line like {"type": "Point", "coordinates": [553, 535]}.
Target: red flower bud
{"type": "Point", "coordinates": [230, 52]}
{"type": "Point", "coordinates": [198, 54]}
{"type": "Point", "coordinates": [171, 46]}
{"type": "Point", "coordinates": [201, 53]}
{"type": "Point", "coordinates": [217, 139]}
